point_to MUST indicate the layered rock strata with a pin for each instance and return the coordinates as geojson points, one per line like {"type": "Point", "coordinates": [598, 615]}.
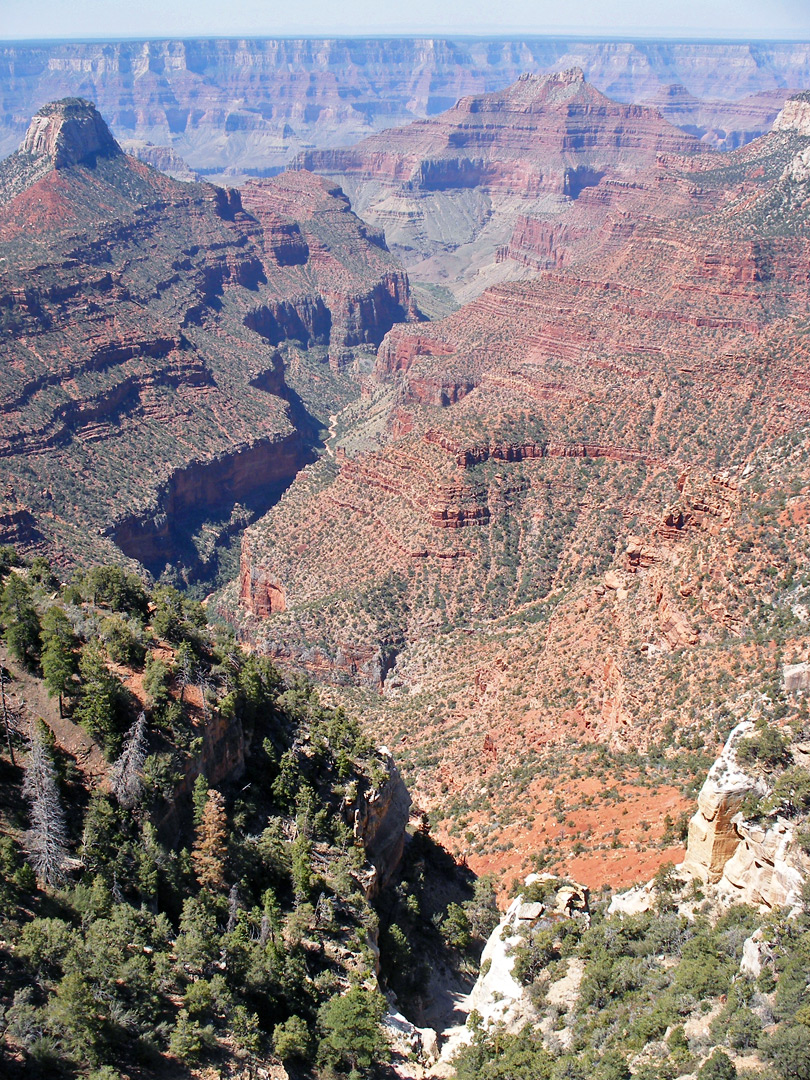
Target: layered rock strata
{"type": "Point", "coordinates": [253, 103]}
{"type": "Point", "coordinates": [144, 392]}
{"type": "Point", "coordinates": [448, 190]}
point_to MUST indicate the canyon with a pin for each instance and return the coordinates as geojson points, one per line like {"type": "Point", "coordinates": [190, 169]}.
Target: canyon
{"type": "Point", "coordinates": [448, 191]}
{"type": "Point", "coordinates": [504, 415]}
{"type": "Point", "coordinates": [248, 106]}
{"type": "Point", "coordinates": [145, 322]}
{"type": "Point", "coordinates": [501, 535]}
{"type": "Point", "coordinates": [552, 504]}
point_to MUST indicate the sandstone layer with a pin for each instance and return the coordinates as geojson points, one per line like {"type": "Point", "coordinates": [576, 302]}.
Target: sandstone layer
{"type": "Point", "coordinates": [144, 322]}
{"type": "Point", "coordinates": [248, 105]}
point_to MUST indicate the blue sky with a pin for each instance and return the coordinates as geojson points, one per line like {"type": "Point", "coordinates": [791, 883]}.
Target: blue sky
{"type": "Point", "coordinates": [192, 18]}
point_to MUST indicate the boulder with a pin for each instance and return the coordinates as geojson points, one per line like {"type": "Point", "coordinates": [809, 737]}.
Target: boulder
{"type": "Point", "coordinates": [796, 676]}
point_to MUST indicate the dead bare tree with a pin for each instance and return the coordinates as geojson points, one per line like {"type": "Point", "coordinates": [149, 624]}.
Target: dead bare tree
{"type": "Point", "coordinates": [204, 684]}
{"type": "Point", "coordinates": [126, 778]}
{"type": "Point", "coordinates": [46, 841]}
{"type": "Point", "coordinates": [185, 662]}
{"type": "Point", "coordinates": [9, 716]}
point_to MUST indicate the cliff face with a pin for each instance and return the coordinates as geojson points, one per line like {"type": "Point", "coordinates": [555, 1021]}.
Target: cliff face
{"type": "Point", "coordinates": [449, 190]}
{"type": "Point", "coordinates": [753, 862]}
{"type": "Point", "coordinates": [252, 104]}
{"type": "Point", "coordinates": [379, 818]}
{"type": "Point", "coordinates": [142, 320]}
{"type": "Point", "coordinates": [545, 506]}
{"type": "Point", "coordinates": [713, 834]}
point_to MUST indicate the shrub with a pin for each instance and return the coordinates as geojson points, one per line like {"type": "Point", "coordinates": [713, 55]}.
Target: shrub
{"type": "Point", "coordinates": [718, 1067]}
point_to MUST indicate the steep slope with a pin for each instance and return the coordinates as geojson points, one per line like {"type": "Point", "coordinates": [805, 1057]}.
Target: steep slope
{"type": "Point", "coordinates": [251, 105]}
{"type": "Point", "coordinates": [687, 974]}
{"type": "Point", "coordinates": [144, 397]}
{"type": "Point", "coordinates": [447, 190]}
{"type": "Point", "coordinates": [557, 502]}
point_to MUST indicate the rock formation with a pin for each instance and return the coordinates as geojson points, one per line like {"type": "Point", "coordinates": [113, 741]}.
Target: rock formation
{"type": "Point", "coordinates": [379, 819]}
{"type": "Point", "coordinates": [498, 999]}
{"type": "Point", "coordinates": [713, 835]}
{"type": "Point", "coordinates": [252, 104]}
{"type": "Point", "coordinates": [448, 190]}
{"type": "Point", "coordinates": [142, 320]}
{"type": "Point", "coordinates": [758, 862]}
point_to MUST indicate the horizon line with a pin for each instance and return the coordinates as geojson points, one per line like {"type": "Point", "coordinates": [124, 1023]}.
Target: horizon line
{"type": "Point", "coordinates": [675, 36]}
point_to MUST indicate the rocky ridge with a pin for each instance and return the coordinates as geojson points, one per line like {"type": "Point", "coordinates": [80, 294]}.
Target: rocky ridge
{"type": "Point", "coordinates": [253, 104]}
{"type": "Point", "coordinates": [142, 321]}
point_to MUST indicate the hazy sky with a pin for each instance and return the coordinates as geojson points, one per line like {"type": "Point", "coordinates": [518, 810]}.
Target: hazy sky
{"type": "Point", "coordinates": [191, 18]}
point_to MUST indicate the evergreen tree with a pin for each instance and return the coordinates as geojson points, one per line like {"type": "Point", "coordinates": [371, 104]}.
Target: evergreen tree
{"type": "Point", "coordinates": [112, 587]}
{"type": "Point", "coordinates": [199, 797]}
{"type": "Point", "coordinates": [352, 1033]}
{"type": "Point", "coordinates": [100, 704]}
{"type": "Point", "coordinates": [46, 840]}
{"type": "Point", "coordinates": [59, 653]}
{"type": "Point", "coordinates": [209, 853]}
{"type": "Point", "coordinates": [21, 628]}
{"type": "Point", "coordinates": [126, 778]}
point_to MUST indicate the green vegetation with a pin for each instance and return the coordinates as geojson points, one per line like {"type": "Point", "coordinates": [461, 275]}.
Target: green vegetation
{"type": "Point", "coordinates": [644, 977]}
{"type": "Point", "coordinates": [163, 915]}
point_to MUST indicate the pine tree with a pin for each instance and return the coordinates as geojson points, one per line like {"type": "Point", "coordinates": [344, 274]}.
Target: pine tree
{"type": "Point", "coordinates": [20, 620]}
{"type": "Point", "coordinates": [59, 653]}
{"type": "Point", "coordinates": [352, 1033]}
{"type": "Point", "coordinates": [9, 715]}
{"type": "Point", "coordinates": [46, 840]}
{"type": "Point", "coordinates": [100, 702]}
{"type": "Point", "coordinates": [199, 797]}
{"type": "Point", "coordinates": [209, 853]}
{"type": "Point", "coordinates": [126, 778]}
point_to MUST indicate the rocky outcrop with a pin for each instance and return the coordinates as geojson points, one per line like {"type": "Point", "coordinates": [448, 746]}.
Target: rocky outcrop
{"type": "Point", "coordinates": [796, 677]}
{"type": "Point", "coordinates": [379, 817]}
{"type": "Point", "coordinates": [497, 996]}
{"type": "Point", "coordinates": [140, 320]}
{"type": "Point", "coordinates": [251, 104]}
{"type": "Point", "coordinates": [795, 116]}
{"type": "Point", "coordinates": [713, 834]}
{"type": "Point", "coordinates": [674, 624]}
{"type": "Point", "coordinates": [751, 862]}
{"type": "Point", "coordinates": [766, 869]}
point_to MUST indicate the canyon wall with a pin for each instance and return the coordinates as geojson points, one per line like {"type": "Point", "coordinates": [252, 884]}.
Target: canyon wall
{"type": "Point", "coordinates": [145, 400]}
{"type": "Point", "coordinates": [250, 105]}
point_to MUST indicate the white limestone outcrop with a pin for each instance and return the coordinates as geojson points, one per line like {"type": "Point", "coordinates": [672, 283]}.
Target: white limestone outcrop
{"type": "Point", "coordinates": [741, 861]}
{"type": "Point", "coordinates": [795, 116]}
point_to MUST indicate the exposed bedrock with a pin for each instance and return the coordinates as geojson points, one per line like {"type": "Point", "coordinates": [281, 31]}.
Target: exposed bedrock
{"type": "Point", "coordinates": [255, 474]}
{"type": "Point", "coordinates": [757, 862]}
{"type": "Point", "coordinates": [380, 816]}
